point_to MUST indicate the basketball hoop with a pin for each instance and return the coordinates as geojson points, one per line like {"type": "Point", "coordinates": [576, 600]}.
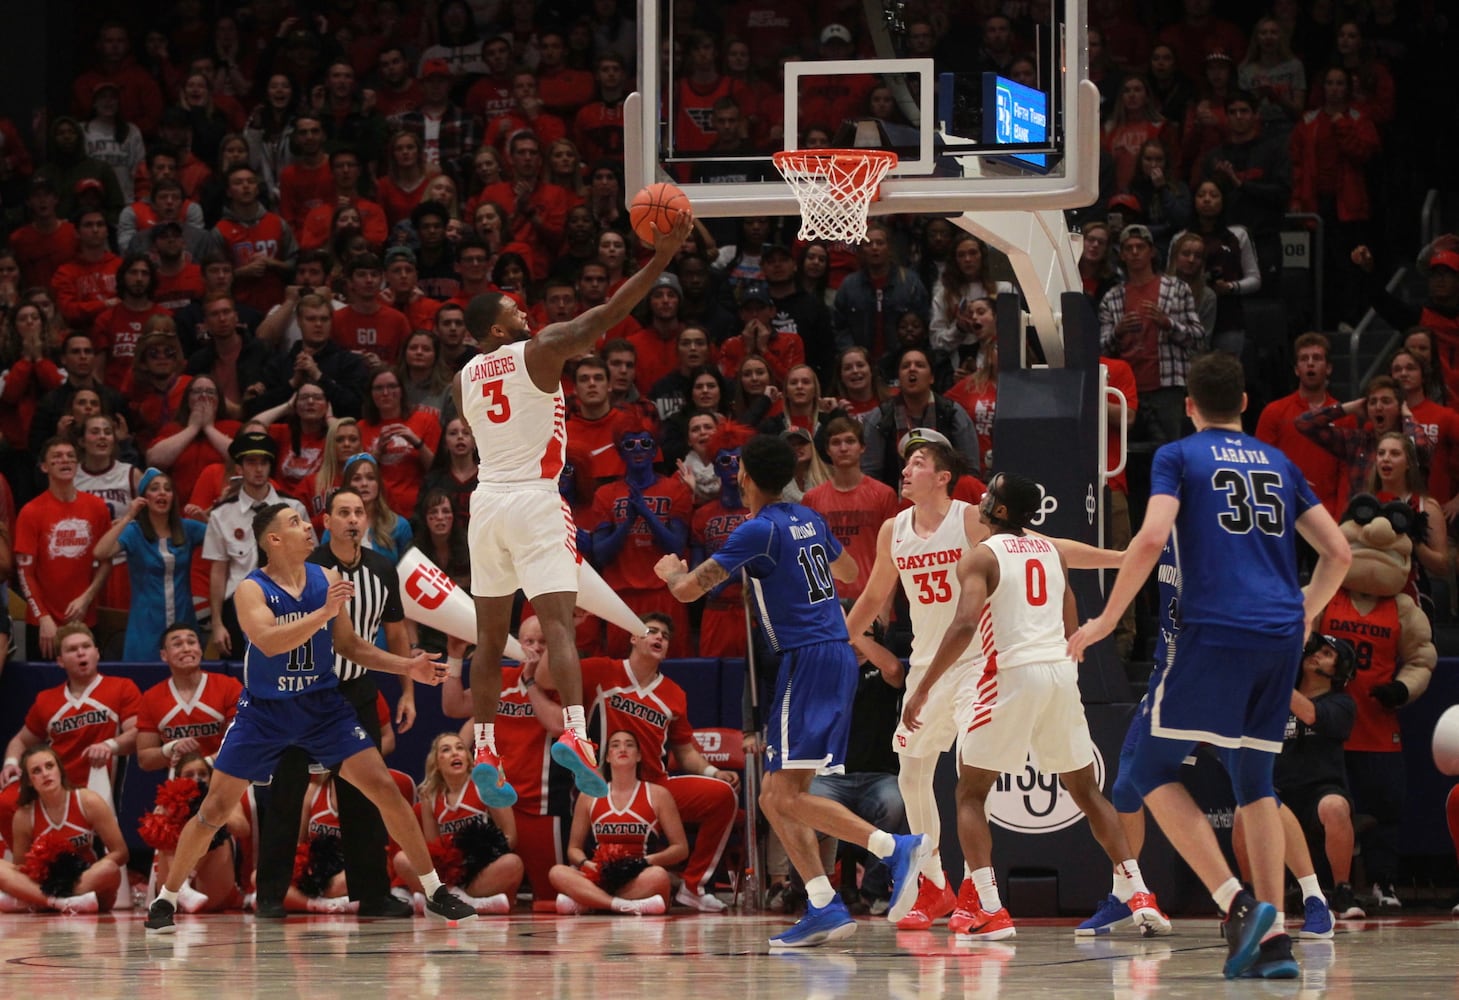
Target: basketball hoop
{"type": "Point", "coordinates": [835, 188]}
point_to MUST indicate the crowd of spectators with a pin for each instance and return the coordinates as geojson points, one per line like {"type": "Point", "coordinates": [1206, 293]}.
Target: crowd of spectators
{"type": "Point", "coordinates": [237, 254]}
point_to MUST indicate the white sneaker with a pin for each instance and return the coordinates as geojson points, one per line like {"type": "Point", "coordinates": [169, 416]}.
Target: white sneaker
{"type": "Point", "coordinates": [189, 900]}
{"type": "Point", "coordinates": [493, 906]}
{"type": "Point", "coordinates": [1386, 897]}
{"type": "Point", "coordinates": [84, 903]}
{"type": "Point", "coordinates": [9, 904]}
{"type": "Point", "coordinates": [566, 905]}
{"type": "Point", "coordinates": [704, 902]}
{"type": "Point", "coordinates": [332, 904]}
{"type": "Point", "coordinates": [652, 906]}
{"type": "Point", "coordinates": [250, 901]}
{"type": "Point", "coordinates": [418, 900]}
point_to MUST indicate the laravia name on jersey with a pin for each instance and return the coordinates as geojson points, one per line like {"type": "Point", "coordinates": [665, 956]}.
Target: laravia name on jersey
{"type": "Point", "coordinates": [638, 710]}
{"type": "Point", "coordinates": [1243, 455]}
{"type": "Point", "coordinates": [942, 557]}
{"type": "Point", "coordinates": [493, 366]}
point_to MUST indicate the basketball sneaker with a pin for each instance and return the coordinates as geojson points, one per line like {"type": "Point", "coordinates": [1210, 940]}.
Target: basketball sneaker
{"type": "Point", "coordinates": [932, 902]}
{"type": "Point", "coordinates": [491, 781]}
{"type": "Point", "coordinates": [1385, 897]}
{"type": "Point", "coordinates": [1245, 924]}
{"type": "Point", "coordinates": [568, 906]}
{"type": "Point", "coordinates": [967, 908]}
{"type": "Point", "coordinates": [580, 757]}
{"type": "Point", "coordinates": [159, 917]}
{"type": "Point", "coordinates": [820, 925]}
{"type": "Point", "coordinates": [904, 865]}
{"type": "Point", "coordinates": [1110, 917]}
{"type": "Point", "coordinates": [1345, 905]}
{"type": "Point", "coordinates": [704, 902]}
{"type": "Point", "coordinates": [446, 906]}
{"type": "Point", "coordinates": [1317, 919]}
{"type": "Point", "coordinates": [987, 927]}
{"type": "Point", "coordinates": [1147, 914]}
{"type": "Point", "coordinates": [1274, 960]}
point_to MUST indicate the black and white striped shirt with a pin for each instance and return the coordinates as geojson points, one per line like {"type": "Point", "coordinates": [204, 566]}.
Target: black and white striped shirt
{"type": "Point", "coordinates": [376, 600]}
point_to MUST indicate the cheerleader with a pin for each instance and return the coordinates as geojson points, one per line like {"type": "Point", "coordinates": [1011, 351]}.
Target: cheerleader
{"type": "Point", "coordinates": [55, 830]}
{"type": "Point", "coordinates": [621, 876]}
{"type": "Point", "coordinates": [472, 845]}
{"type": "Point", "coordinates": [319, 878]}
{"type": "Point", "coordinates": [213, 885]}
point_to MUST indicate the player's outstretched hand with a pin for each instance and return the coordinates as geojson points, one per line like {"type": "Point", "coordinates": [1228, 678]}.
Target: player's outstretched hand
{"type": "Point", "coordinates": [912, 710]}
{"type": "Point", "coordinates": [668, 566]}
{"type": "Point", "coordinates": [426, 669]}
{"type": "Point", "coordinates": [668, 244]}
{"type": "Point", "coordinates": [1087, 635]}
{"type": "Point", "coordinates": [340, 591]}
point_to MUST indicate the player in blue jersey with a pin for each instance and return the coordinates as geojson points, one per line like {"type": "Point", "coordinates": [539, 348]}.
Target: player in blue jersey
{"type": "Point", "coordinates": [792, 561]}
{"type": "Point", "coordinates": [1235, 506]}
{"type": "Point", "coordinates": [290, 611]}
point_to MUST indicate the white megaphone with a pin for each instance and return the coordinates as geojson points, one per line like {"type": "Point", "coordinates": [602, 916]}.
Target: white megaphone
{"type": "Point", "coordinates": [432, 598]}
{"type": "Point", "coordinates": [597, 598]}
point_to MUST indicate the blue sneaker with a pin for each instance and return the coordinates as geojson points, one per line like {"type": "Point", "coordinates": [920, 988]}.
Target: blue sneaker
{"type": "Point", "coordinates": [1111, 916]}
{"type": "Point", "coordinates": [1274, 960]}
{"type": "Point", "coordinates": [490, 781]}
{"type": "Point", "coordinates": [904, 866]}
{"type": "Point", "coordinates": [820, 925]}
{"type": "Point", "coordinates": [579, 756]}
{"type": "Point", "coordinates": [1317, 924]}
{"type": "Point", "coordinates": [1246, 922]}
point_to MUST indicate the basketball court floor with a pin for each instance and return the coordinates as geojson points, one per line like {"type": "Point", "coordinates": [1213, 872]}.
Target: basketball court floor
{"type": "Point", "coordinates": [703, 957]}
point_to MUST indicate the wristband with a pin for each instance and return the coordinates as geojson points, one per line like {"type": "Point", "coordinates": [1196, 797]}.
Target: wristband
{"type": "Point", "coordinates": [112, 745]}
{"type": "Point", "coordinates": [169, 747]}
{"type": "Point", "coordinates": [453, 666]}
{"type": "Point", "coordinates": [709, 771]}
{"type": "Point", "coordinates": [9, 761]}
{"type": "Point", "coordinates": [529, 683]}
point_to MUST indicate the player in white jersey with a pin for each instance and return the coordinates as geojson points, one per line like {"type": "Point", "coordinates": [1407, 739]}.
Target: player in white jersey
{"type": "Point", "coordinates": [521, 533]}
{"type": "Point", "coordinates": [1015, 596]}
{"type": "Point", "coordinates": [922, 546]}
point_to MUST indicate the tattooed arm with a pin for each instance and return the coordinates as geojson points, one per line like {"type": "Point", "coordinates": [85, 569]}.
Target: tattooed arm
{"type": "Point", "coordinates": [687, 585]}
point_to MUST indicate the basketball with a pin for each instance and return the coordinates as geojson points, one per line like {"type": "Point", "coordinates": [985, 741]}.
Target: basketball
{"type": "Point", "coordinates": [1446, 742]}
{"type": "Point", "coordinates": [655, 209]}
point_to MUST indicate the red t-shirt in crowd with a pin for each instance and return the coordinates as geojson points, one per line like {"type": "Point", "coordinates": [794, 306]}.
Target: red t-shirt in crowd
{"type": "Point", "coordinates": [1277, 426]}
{"type": "Point", "coordinates": [40, 254]}
{"type": "Point", "coordinates": [174, 291]}
{"type": "Point", "coordinates": [400, 473]}
{"type": "Point", "coordinates": [54, 540]}
{"type": "Point", "coordinates": [382, 332]}
{"type": "Point", "coordinates": [854, 517]}
{"type": "Point", "coordinates": [670, 499]}
{"type": "Point", "coordinates": [303, 189]}
{"type": "Point", "coordinates": [117, 331]}
{"type": "Point", "coordinates": [597, 436]}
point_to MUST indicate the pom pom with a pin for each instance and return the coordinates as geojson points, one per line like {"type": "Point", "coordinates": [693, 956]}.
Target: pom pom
{"type": "Point", "coordinates": [177, 800]}
{"type": "Point", "coordinates": [322, 858]}
{"type": "Point", "coordinates": [616, 874]}
{"type": "Point", "coordinates": [54, 864]}
{"type": "Point", "coordinates": [480, 844]}
{"type": "Point", "coordinates": [447, 860]}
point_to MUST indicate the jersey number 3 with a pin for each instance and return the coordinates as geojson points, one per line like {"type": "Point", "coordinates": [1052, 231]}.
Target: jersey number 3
{"type": "Point", "coordinates": [498, 407]}
{"type": "Point", "coordinates": [1253, 498]}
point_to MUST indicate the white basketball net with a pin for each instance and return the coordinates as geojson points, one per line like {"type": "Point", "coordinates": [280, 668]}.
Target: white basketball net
{"type": "Point", "coordinates": [835, 188]}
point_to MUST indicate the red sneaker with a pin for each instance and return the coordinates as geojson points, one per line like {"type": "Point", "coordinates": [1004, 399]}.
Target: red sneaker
{"type": "Point", "coordinates": [967, 909]}
{"type": "Point", "coordinates": [581, 758]}
{"type": "Point", "coordinates": [932, 902]}
{"type": "Point", "coordinates": [988, 927]}
{"type": "Point", "coordinates": [491, 781]}
{"type": "Point", "coordinates": [1147, 914]}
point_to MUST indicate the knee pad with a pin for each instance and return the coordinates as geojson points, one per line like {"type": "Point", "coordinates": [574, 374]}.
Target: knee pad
{"type": "Point", "coordinates": [1251, 774]}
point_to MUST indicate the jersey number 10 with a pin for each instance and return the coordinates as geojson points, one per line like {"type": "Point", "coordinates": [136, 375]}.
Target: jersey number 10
{"type": "Point", "coordinates": [817, 570]}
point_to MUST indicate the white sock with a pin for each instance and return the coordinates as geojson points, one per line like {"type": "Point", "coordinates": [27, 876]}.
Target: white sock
{"type": "Point", "coordinates": [486, 735]}
{"type": "Point", "coordinates": [165, 893]}
{"type": "Point", "coordinates": [967, 873]}
{"type": "Point", "coordinates": [1128, 880]}
{"type": "Point", "coordinates": [881, 844]}
{"type": "Point", "coordinates": [429, 883]}
{"type": "Point", "coordinates": [573, 719]}
{"type": "Point", "coordinates": [987, 886]}
{"type": "Point", "coordinates": [1225, 893]}
{"type": "Point", "coordinates": [1310, 887]}
{"type": "Point", "coordinates": [820, 892]}
{"type": "Point", "coordinates": [932, 869]}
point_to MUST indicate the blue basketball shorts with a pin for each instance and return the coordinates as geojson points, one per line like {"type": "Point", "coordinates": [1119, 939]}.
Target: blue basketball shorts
{"type": "Point", "coordinates": [321, 723]}
{"type": "Point", "coordinates": [809, 719]}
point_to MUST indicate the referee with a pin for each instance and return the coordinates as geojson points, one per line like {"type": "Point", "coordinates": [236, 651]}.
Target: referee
{"type": "Point", "coordinates": [376, 603]}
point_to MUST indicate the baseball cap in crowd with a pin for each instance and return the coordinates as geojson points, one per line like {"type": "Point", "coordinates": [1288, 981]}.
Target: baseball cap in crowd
{"type": "Point", "coordinates": [791, 433]}
{"type": "Point", "coordinates": [667, 280]}
{"type": "Point", "coordinates": [921, 435]}
{"type": "Point", "coordinates": [253, 443]}
{"type": "Point", "coordinates": [89, 184]}
{"type": "Point", "coordinates": [40, 182]}
{"type": "Point", "coordinates": [1126, 201]}
{"type": "Point", "coordinates": [165, 228]}
{"type": "Point", "coordinates": [435, 67]}
{"type": "Point", "coordinates": [836, 32]}
{"type": "Point", "coordinates": [1219, 55]}
{"type": "Point", "coordinates": [755, 291]}
{"type": "Point", "coordinates": [146, 480]}
{"type": "Point", "coordinates": [1445, 258]}
{"type": "Point", "coordinates": [400, 253]}
{"type": "Point", "coordinates": [1136, 232]}
{"type": "Point", "coordinates": [770, 249]}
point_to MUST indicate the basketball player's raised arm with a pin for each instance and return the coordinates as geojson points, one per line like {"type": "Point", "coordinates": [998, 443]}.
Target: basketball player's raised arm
{"type": "Point", "coordinates": [556, 344]}
{"type": "Point", "coordinates": [1140, 558]}
{"type": "Point", "coordinates": [879, 585]}
{"type": "Point", "coordinates": [975, 578]}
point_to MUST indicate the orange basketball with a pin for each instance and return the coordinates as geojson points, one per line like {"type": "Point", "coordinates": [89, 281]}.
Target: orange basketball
{"type": "Point", "coordinates": [655, 209]}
